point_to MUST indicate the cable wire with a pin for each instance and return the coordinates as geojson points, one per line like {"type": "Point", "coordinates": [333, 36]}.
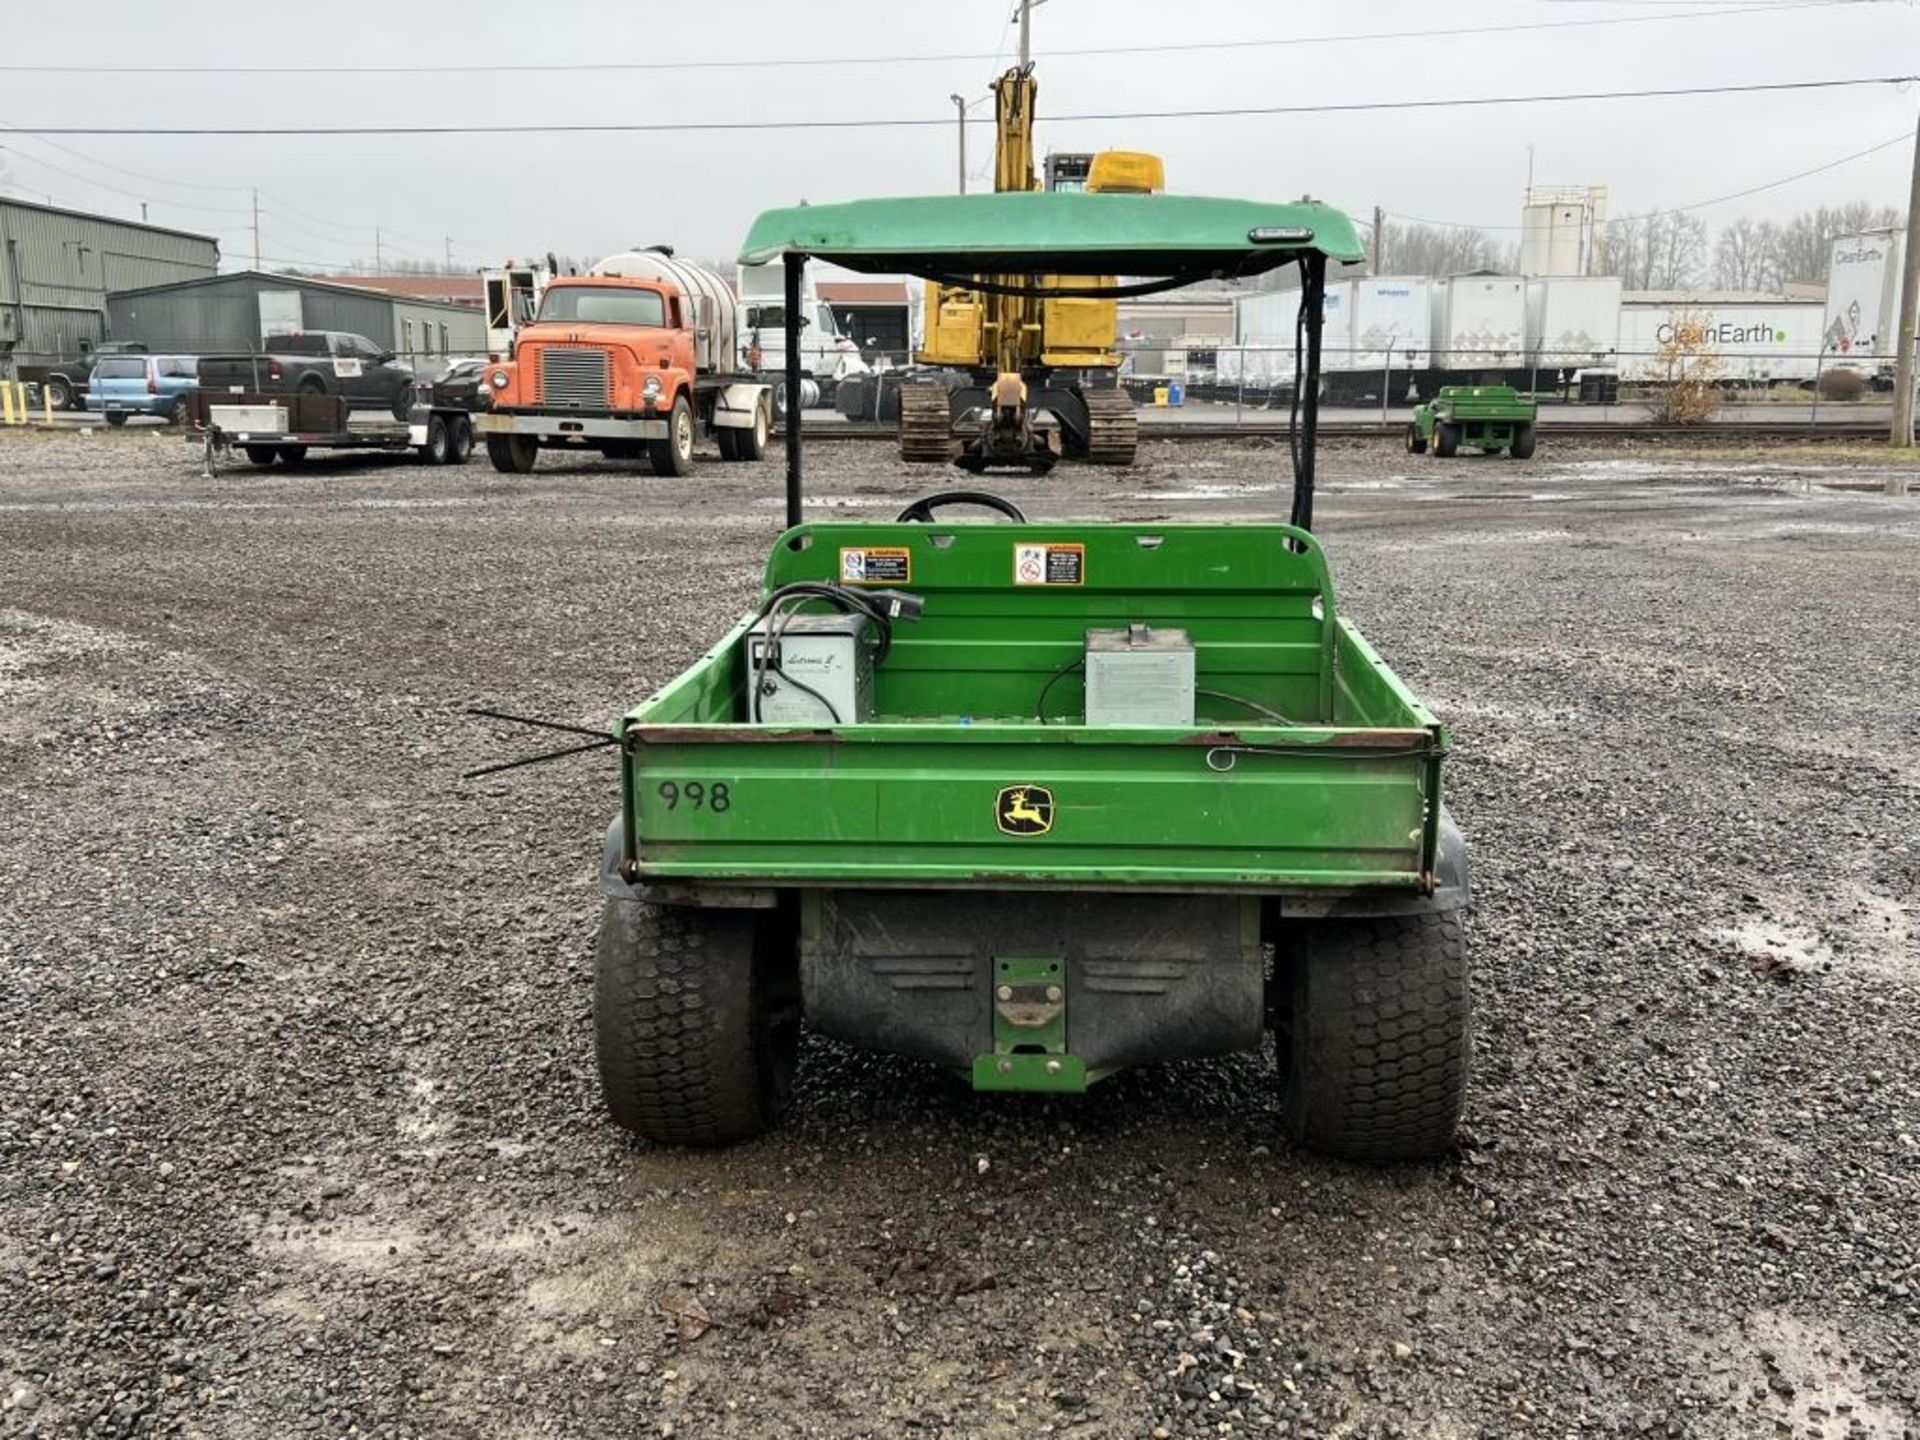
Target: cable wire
{"type": "Point", "coordinates": [237, 68]}
{"type": "Point", "coordinates": [1346, 107]}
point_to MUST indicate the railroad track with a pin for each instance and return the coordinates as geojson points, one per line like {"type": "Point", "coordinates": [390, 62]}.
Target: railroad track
{"type": "Point", "coordinates": [1728, 430]}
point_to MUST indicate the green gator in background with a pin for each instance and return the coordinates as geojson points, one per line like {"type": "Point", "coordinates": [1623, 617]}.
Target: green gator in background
{"type": "Point", "coordinates": [1484, 417]}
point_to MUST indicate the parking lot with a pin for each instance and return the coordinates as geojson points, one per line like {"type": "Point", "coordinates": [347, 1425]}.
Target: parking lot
{"type": "Point", "coordinates": [300, 1132]}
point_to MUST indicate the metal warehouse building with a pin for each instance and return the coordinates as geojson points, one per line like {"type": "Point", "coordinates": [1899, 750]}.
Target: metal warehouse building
{"type": "Point", "coordinates": [58, 266]}
{"type": "Point", "coordinates": [236, 312]}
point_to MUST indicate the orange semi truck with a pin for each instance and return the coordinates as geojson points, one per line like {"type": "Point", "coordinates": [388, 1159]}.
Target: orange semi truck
{"type": "Point", "coordinates": [635, 358]}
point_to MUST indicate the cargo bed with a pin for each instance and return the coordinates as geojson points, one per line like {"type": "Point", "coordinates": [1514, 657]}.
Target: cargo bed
{"type": "Point", "coordinates": [1344, 796]}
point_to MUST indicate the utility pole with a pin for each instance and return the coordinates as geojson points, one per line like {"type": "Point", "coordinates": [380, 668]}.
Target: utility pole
{"type": "Point", "coordinates": [379, 267]}
{"type": "Point", "coordinates": [449, 240]}
{"type": "Point", "coordinates": [1025, 16]}
{"type": "Point", "coordinates": [1379, 241]}
{"type": "Point", "coordinates": [960, 105]}
{"type": "Point", "coordinates": [256, 227]}
{"type": "Point", "coordinates": [1909, 304]}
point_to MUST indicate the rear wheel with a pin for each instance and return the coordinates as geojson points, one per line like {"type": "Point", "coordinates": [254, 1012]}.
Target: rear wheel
{"type": "Point", "coordinates": [460, 439]}
{"type": "Point", "coordinates": [177, 412]}
{"type": "Point", "coordinates": [1416, 442]}
{"type": "Point", "coordinates": [696, 1021]}
{"type": "Point", "coordinates": [439, 447]}
{"type": "Point", "coordinates": [1374, 1031]}
{"type": "Point", "coordinates": [403, 403]}
{"type": "Point", "coordinates": [674, 454]}
{"type": "Point", "coordinates": [261, 455]}
{"type": "Point", "coordinates": [1446, 440]}
{"type": "Point", "coordinates": [512, 454]}
{"type": "Point", "coordinates": [1522, 447]}
{"type": "Point", "coordinates": [751, 443]}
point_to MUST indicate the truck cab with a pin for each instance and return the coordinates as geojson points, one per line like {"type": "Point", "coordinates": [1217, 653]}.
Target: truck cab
{"type": "Point", "coordinates": [626, 364]}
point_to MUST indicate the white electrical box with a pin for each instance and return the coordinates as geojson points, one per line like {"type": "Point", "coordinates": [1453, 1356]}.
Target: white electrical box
{"type": "Point", "coordinates": [830, 656]}
{"type": "Point", "coordinates": [1139, 676]}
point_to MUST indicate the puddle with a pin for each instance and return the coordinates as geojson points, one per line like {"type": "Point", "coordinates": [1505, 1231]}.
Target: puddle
{"type": "Point", "coordinates": [1795, 1378]}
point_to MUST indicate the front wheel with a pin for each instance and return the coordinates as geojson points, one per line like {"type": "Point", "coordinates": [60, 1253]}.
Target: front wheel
{"type": "Point", "coordinates": [1416, 442]}
{"type": "Point", "coordinates": [1446, 440]}
{"type": "Point", "coordinates": [674, 454]}
{"type": "Point", "coordinates": [696, 1021]}
{"type": "Point", "coordinates": [512, 454]}
{"type": "Point", "coordinates": [1374, 1026]}
{"type": "Point", "coordinates": [59, 392]}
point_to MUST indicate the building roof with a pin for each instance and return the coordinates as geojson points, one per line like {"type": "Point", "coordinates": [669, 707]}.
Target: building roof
{"type": "Point", "coordinates": [451, 289]}
{"type": "Point", "coordinates": [300, 282]}
{"type": "Point", "coordinates": [863, 292]}
{"type": "Point", "coordinates": [16, 203]}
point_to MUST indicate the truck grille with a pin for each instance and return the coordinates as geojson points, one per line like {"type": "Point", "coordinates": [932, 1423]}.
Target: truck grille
{"type": "Point", "coordinates": [575, 378]}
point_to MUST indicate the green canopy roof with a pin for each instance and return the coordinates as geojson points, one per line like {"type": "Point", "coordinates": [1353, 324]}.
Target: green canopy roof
{"type": "Point", "coordinates": [1054, 232]}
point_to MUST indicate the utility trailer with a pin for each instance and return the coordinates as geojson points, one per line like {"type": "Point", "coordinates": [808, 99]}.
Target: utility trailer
{"type": "Point", "coordinates": [1040, 800]}
{"type": "Point", "coordinates": [286, 427]}
{"type": "Point", "coordinates": [1490, 418]}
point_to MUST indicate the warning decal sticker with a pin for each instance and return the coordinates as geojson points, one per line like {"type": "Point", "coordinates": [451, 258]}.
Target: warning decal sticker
{"type": "Point", "coordinates": [1049, 563]}
{"type": "Point", "coordinates": [876, 565]}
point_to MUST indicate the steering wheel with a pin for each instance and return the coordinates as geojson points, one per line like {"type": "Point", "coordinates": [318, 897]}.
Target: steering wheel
{"type": "Point", "coordinates": [921, 511]}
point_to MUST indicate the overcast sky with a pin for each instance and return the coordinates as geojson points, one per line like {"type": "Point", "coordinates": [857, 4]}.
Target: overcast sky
{"type": "Point", "coordinates": [496, 195]}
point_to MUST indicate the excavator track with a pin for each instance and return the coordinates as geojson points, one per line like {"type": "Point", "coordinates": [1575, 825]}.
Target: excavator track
{"type": "Point", "coordinates": [1113, 427]}
{"type": "Point", "coordinates": [926, 425]}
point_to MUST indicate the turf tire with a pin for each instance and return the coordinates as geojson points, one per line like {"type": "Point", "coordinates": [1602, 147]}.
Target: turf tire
{"type": "Point", "coordinates": [696, 1021]}
{"type": "Point", "coordinates": [1375, 1030]}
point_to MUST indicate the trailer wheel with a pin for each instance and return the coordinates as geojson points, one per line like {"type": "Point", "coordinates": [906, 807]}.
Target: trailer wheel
{"type": "Point", "coordinates": [439, 447]}
{"type": "Point", "coordinates": [750, 443]}
{"type": "Point", "coordinates": [674, 455]}
{"type": "Point", "coordinates": [696, 1021]}
{"type": "Point", "coordinates": [1522, 447]}
{"type": "Point", "coordinates": [1374, 1029]}
{"type": "Point", "coordinates": [293, 456]}
{"type": "Point", "coordinates": [116, 418]}
{"type": "Point", "coordinates": [1416, 442]}
{"type": "Point", "coordinates": [261, 455]}
{"type": "Point", "coordinates": [512, 454]}
{"type": "Point", "coordinates": [1446, 440]}
{"type": "Point", "coordinates": [460, 439]}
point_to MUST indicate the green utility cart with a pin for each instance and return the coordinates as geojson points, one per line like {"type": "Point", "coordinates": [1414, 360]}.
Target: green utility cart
{"type": "Point", "coordinates": [1036, 800]}
{"type": "Point", "coordinates": [1486, 417]}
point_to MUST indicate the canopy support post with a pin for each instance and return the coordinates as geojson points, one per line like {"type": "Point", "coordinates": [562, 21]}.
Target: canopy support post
{"type": "Point", "coordinates": [796, 264]}
{"type": "Point", "coordinates": [1313, 289]}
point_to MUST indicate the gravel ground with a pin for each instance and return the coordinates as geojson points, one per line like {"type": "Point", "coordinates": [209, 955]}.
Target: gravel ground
{"type": "Point", "coordinates": [299, 1132]}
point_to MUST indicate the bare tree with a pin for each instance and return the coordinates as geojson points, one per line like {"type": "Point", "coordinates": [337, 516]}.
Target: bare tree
{"type": "Point", "coordinates": [1656, 251]}
{"type": "Point", "coordinates": [1443, 250]}
{"type": "Point", "coordinates": [1806, 241]}
{"type": "Point", "coordinates": [1746, 256]}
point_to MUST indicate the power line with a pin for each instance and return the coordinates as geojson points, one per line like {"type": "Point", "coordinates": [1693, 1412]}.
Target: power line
{"type": "Point", "coordinates": [828, 61]}
{"type": "Point", "coordinates": [1900, 139]}
{"type": "Point", "coordinates": [919, 122]}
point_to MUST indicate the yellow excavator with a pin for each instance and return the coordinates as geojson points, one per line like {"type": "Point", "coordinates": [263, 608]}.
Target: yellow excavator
{"type": "Point", "coordinates": [1027, 381]}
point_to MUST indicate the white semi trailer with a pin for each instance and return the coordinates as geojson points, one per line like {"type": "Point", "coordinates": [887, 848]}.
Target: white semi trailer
{"type": "Point", "coordinates": [1753, 341]}
{"type": "Point", "coordinates": [1862, 316]}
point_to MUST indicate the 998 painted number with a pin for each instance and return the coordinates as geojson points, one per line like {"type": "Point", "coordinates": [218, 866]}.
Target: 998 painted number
{"type": "Point", "coordinates": [714, 797]}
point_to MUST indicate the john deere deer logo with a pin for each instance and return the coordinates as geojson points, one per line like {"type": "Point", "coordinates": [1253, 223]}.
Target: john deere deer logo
{"type": "Point", "coordinates": [1024, 810]}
